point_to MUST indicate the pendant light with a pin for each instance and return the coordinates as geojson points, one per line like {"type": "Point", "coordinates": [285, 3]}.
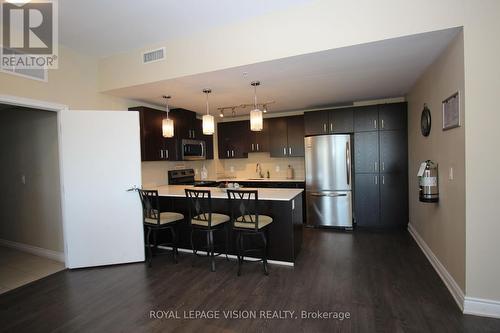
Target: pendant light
{"type": "Point", "coordinates": [208, 119]}
{"type": "Point", "coordinates": [167, 124]}
{"type": "Point", "coordinates": [256, 120]}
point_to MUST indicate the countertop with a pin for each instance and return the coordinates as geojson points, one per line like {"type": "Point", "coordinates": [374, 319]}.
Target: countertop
{"type": "Point", "coordinates": [274, 194]}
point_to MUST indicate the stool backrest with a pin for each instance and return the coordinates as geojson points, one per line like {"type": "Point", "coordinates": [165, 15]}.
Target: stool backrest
{"type": "Point", "coordinates": [244, 204]}
{"type": "Point", "coordinates": [200, 206]}
{"type": "Point", "coordinates": [150, 206]}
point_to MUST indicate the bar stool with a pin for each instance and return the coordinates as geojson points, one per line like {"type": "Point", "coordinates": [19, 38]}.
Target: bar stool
{"type": "Point", "coordinates": [154, 220]}
{"type": "Point", "coordinates": [247, 222]}
{"type": "Point", "coordinates": [202, 219]}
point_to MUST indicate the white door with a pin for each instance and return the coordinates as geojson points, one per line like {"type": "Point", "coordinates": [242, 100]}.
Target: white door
{"type": "Point", "coordinates": [100, 160]}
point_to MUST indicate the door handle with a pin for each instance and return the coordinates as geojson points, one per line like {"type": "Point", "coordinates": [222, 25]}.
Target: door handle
{"type": "Point", "coordinates": [333, 195]}
{"type": "Point", "coordinates": [382, 123]}
{"type": "Point", "coordinates": [132, 189]}
{"type": "Point", "coordinates": [383, 180]}
{"type": "Point", "coordinates": [166, 153]}
{"type": "Point", "coordinates": [348, 162]}
{"type": "Point", "coordinates": [331, 127]}
{"type": "Point", "coordinates": [324, 127]}
{"type": "Point", "coordinates": [375, 165]}
{"type": "Point", "coordinates": [376, 180]}
{"type": "Point", "coordinates": [257, 147]}
{"type": "Point", "coordinates": [383, 165]}
{"type": "Point", "coordinates": [375, 123]}
{"type": "Point", "coordinates": [161, 153]}
{"type": "Point", "coordinates": [252, 147]}
{"type": "Point", "coordinates": [284, 151]}
{"type": "Point", "coordinates": [227, 153]}
{"type": "Point", "coordinates": [232, 153]}
{"type": "Point", "coordinates": [290, 151]}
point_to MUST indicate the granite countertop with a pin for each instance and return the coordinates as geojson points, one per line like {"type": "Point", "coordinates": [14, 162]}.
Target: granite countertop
{"type": "Point", "coordinates": [274, 194]}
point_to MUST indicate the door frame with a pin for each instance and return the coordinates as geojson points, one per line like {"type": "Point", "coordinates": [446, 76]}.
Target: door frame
{"type": "Point", "coordinates": [54, 107]}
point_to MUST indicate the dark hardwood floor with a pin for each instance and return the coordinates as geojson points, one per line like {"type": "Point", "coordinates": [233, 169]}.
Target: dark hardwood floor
{"type": "Point", "coordinates": [382, 279]}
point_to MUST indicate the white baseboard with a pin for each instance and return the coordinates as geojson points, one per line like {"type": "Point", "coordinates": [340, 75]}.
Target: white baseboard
{"type": "Point", "coordinates": [482, 307]}
{"type": "Point", "coordinates": [38, 251]}
{"type": "Point", "coordinates": [231, 256]}
{"type": "Point", "coordinates": [449, 281]}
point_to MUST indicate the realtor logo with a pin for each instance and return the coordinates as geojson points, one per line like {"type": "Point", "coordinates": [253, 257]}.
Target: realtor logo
{"type": "Point", "coordinates": [29, 34]}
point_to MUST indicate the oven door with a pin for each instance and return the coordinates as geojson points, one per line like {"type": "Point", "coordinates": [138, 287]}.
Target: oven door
{"type": "Point", "coordinates": [193, 150]}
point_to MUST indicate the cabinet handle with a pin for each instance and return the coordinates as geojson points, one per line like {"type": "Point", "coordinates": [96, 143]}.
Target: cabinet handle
{"type": "Point", "coordinates": [227, 153]}
{"type": "Point", "coordinates": [252, 147]}
{"type": "Point", "coordinates": [376, 180]}
{"type": "Point", "coordinates": [166, 151]}
{"type": "Point", "coordinates": [324, 127]}
{"type": "Point", "coordinates": [382, 123]}
{"type": "Point", "coordinates": [232, 153]}
{"type": "Point", "coordinates": [375, 123]}
{"type": "Point", "coordinates": [331, 127]}
{"type": "Point", "coordinates": [257, 147]}
{"type": "Point", "coordinates": [161, 153]}
{"type": "Point", "coordinates": [290, 151]}
{"type": "Point", "coordinates": [383, 165]}
{"type": "Point", "coordinates": [375, 165]}
{"type": "Point", "coordinates": [383, 180]}
{"type": "Point", "coordinates": [284, 151]}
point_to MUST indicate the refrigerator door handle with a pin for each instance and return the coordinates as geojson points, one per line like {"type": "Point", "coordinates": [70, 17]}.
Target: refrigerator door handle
{"type": "Point", "coordinates": [318, 194]}
{"type": "Point", "coordinates": [348, 162]}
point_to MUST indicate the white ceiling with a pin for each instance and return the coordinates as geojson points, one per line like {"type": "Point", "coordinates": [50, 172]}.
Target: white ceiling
{"type": "Point", "coordinates": [106, 27]}
{"type": "Point", "coordinates": [376, 70]}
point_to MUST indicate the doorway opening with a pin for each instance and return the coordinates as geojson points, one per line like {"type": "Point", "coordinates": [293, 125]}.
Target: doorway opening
{"type": "Point", "coordinates": [31, 229]}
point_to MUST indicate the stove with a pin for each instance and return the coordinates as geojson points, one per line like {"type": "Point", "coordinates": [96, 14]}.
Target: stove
{"type": "Point", "coordinates": [186, 177]}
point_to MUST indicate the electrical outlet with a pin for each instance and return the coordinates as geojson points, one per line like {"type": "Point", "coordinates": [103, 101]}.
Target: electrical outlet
{"type": "Point", "coordinates": [451, 176]}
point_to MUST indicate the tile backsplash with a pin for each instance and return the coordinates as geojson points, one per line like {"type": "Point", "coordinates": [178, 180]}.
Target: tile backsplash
{"type": "Point", "coordinates": [155, 173]}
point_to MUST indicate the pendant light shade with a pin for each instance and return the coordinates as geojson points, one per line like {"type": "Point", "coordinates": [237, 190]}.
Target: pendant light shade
{"type": "Point", "coordinates": [208, 119]}
{"type": "Point", "coordinates": [167, 124]}
{"type": "Point", "coordinates": [256, 119]}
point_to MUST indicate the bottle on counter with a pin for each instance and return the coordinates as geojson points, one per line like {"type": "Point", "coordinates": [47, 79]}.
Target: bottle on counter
{"type": "Point", "coordinates": [289, 172]}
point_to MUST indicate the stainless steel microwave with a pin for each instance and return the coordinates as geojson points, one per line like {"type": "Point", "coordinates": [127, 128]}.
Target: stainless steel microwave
{"type": "Point", "coordinates": [193, 150]}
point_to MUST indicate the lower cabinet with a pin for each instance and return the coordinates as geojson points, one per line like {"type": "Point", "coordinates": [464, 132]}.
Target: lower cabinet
{"type": "Point", "coordinates": [381, 200]}
{"type": "Point", "coordinates": [367, 199]}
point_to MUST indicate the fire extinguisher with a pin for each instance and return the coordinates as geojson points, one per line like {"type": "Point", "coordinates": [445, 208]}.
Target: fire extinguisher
{"type": "Point", "coordinates": [428, 181]}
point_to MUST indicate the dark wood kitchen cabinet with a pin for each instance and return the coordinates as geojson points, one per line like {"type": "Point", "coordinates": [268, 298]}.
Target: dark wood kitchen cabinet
{"type": "Point", "coordinates": [286, 136]}
{"type": "Point", "coordinates": [185, 124]}
{"type": "Point", "coordinates": [259, 141]}
{"type": "Point", "coordinates": [233, 139]}
{"type": "Point", "coordinates": [335, 121]}
{"type": "Point", "coordinates": [209, 139]}
{"type": "Point", "coordinates": [154, 147]}
{"type": "Point", "coordinates": [381, 166]}
{"type": "Point", "coordinates": [366, 118]}
{"type": "Point", "coordinates": [367, 200]}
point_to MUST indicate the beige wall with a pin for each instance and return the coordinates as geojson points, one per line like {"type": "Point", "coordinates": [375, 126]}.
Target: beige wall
{"type": "Point", "coordinates": [442, 225]}
{"type": "Point", "coordinates": [74, 84]}
{"type": "Point", "coordinates": [482, 137]}
{"type": "Point", "coordinates": [30, 213]}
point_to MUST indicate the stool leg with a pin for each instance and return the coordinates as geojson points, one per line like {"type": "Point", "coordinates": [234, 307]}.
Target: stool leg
{"type": "Point", "coordinates": [241, 251]}
{"type": "Point", "coordinates": [174, 244]}
{"type": "Point", "coordinates": [227, 241]}
{"type": "Point", "coordinates": [264, 253]}
{"type": "Point", "coordinates": [148, 244]}
{"type": "Point", "coordinates": [192, 247]}
{"type": "Point", "coordinates": [211, 250]}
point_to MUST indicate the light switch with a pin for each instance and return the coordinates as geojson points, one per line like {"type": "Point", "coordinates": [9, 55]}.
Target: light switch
{"type": "Point", "coordinates": [450, 175]}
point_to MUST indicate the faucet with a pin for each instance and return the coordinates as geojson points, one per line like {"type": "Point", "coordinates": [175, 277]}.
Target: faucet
{"type": "Point", "coordinates": [258, 170]}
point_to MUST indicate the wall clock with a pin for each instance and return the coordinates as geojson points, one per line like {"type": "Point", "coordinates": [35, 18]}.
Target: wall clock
{"type": "Point", "coordinates": [425, 121]}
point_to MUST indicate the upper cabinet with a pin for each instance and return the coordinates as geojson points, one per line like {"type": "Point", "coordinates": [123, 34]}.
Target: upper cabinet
{"type": "Point", "coordinates": [233, 139]}
{"type": "Point", "coordinates": [286, 136]}
{"type": "Point", "coordinates": [366, 118]}
{"type": "Point", "coordinates": [392, 116]}
{"type": "Point", "coordinates": [335, 121]}
{"type": "Point", "coordinates": [154, 147]}
{"type": "Point", "coordinates": [259, 141]}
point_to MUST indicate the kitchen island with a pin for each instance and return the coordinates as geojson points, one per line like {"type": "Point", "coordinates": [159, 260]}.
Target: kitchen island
{"type": "Point", "coordinates": [283, 205]}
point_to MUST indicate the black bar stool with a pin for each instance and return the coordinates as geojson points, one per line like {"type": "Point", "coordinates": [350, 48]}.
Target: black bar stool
{"type": "Point", "coordinates": [248, 223]}
{"type": "Point", "coordinates": [154, 220]}
{"type": "Point", "coordinates": [202, 219]}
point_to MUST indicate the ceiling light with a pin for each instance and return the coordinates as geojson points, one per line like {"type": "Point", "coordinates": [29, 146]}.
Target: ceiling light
{"type": "Point", "coordinates": [167, 124]}
{"type": "Point", "coordinates": [221, 114]}
{"type": "Point", "coordinates": [256, 120]}
{"type": "Point", "coordinates": [208, 119]}
{"type": "Point", "coordinates": [264, 108]}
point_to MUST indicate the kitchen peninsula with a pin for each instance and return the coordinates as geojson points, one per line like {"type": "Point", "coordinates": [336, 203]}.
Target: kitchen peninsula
{"type": "Point", "coordinates": [283, 205]}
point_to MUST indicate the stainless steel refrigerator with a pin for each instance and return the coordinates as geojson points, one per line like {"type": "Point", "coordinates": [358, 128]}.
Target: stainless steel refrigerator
{"type": "Point", "coordinates": [329, 180]}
